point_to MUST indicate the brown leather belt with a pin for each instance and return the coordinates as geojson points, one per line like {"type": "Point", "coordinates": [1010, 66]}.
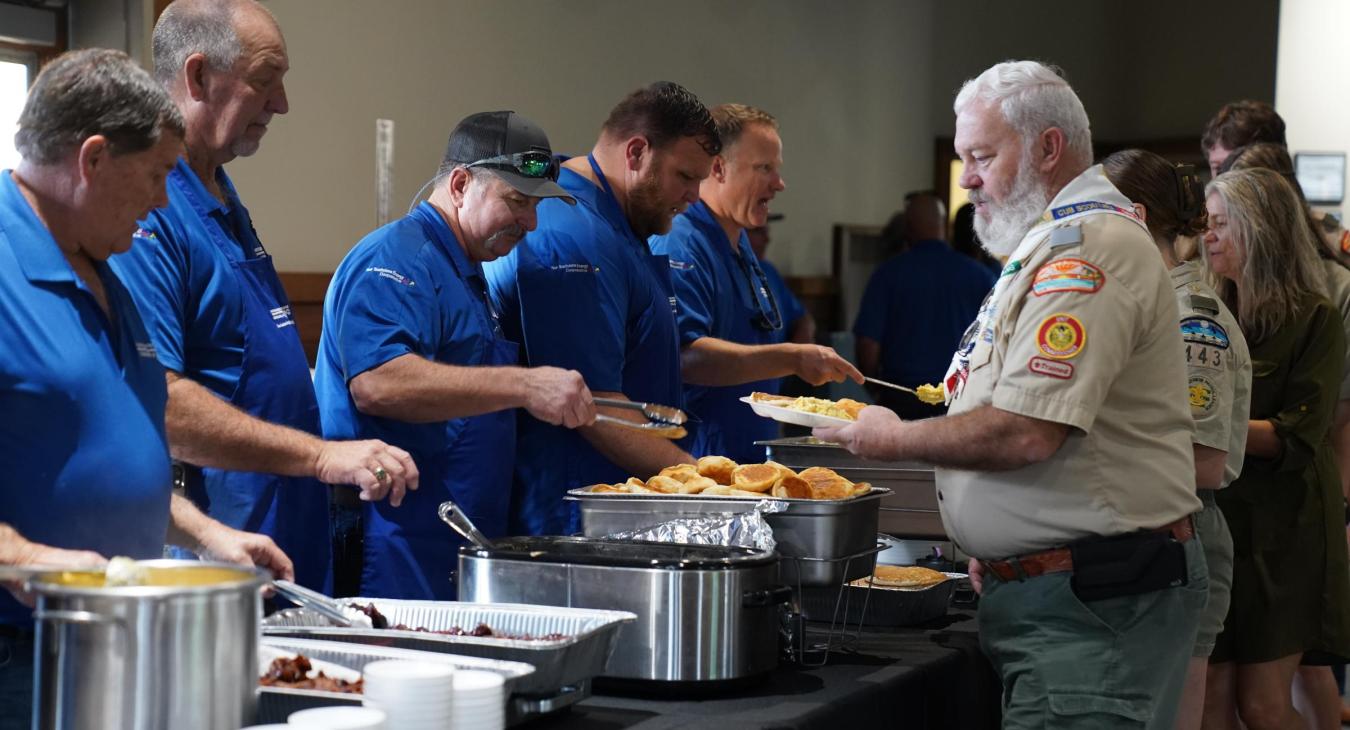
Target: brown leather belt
{"type": "Point", "coordinates": [1060, 560]}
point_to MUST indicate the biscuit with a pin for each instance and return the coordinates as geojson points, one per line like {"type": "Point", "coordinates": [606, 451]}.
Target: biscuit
{"type": "Point", "coordinates": [906, 576]}
{"type": "Point", "coordinates": [791, 487]}
{"type": "Point", "coordinates": [716, 468]}
{"type": "Point", "coordinates": [754, 477]}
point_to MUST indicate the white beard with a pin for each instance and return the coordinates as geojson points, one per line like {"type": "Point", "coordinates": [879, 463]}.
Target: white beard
{"type": "Point", "coordinates": [1010, 220]}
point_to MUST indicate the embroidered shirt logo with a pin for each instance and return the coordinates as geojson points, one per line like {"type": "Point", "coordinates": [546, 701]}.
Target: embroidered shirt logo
{"type": "Point", "coordinates": [681, 265]}
{"type": "Point", "coordinates": [282, 316]}
{"type": "Point", "coordinates": [146, 350]}
{"type": "Point", "coordinates": [575, 268]}
{"type": "Point", "coordinates": [142, 233]}
{"type": "Point", "coordinates": [391, 275]}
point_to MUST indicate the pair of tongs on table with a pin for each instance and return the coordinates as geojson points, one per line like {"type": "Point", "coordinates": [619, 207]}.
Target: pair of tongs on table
{"type": "Point", "coordinates": [664, 421]}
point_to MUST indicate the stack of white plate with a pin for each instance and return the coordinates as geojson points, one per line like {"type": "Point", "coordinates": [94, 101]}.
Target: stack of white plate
{"type": "Point", "coordinates": [479, 703]}
{"type": "Point", "coordinates": [343, 717]}
{"type": "Point", "coordinates": [414, 695]}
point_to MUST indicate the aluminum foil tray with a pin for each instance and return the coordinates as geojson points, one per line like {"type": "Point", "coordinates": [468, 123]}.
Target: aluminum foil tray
{"type": "Point", "coordinates": [558, 664]}
{"type": "Point", "coordinates": [275, 704]}
{"type": "Point", "coordinates": [815, 537]}
{"type": "Point", "coordinates": [885, 606]}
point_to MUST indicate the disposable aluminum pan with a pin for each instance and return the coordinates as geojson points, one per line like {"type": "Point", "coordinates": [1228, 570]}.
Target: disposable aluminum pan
{"type": "Point", "coordinates": [816, 537]}
{"type": "Point", "coordinates": [589, 635]}
{"type": "Point", "coordinates": [884, 605]}
{"type": "Point", "coordinates": [275, 704]}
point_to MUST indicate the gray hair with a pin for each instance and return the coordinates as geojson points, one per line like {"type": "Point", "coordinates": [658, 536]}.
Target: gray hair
{"type": "Point", "coordinates": [198, 26]}
{"type": "Point", "coordinates": [88, 92]}
{"type": "Point", "coordinates": [1265, 218]}
{"type": "Point", "coordinates": [1033, 97]}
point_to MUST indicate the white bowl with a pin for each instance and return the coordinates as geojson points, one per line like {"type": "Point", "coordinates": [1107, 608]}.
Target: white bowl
{"type": "Point", "coordinates": [345, 717]}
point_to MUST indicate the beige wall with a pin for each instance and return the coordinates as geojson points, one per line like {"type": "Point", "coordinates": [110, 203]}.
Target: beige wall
{"type": "Point", "coordinates": [1311, 89]}
{"type": "Point", "coordinates": [1144, 69]}
{"type": "Point", "coordinates": [861, 87]}
{"type": "Point", "coordinates": [839, 76]}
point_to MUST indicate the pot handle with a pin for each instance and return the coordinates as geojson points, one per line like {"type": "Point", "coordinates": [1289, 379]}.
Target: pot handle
{"type": "Point", "coordinates": [766, 597]}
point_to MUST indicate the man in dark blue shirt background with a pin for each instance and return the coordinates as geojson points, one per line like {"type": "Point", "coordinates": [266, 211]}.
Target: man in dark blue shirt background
{"type": "Point", "coordinates": [915, 308]}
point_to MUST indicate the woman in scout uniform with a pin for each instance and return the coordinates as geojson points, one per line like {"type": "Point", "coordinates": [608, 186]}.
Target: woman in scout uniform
{"type": "Point", "coordinates": [1219, 378]}
{"type": "Point", "coordinates": [1291, 583]}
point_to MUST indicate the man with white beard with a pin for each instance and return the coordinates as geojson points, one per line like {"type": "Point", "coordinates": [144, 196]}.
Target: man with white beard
{"type": "Point", "coordinates": [1064, 465]}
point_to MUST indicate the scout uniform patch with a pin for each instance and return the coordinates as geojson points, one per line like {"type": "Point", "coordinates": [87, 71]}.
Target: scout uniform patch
{"type": "Point", "coordinates": [1061, 336]}
{"type": "Point", "coordinates": [1201, 394]}
{"type": "Point", "coordinates": [1052, 368]}
{"type": "Point", "coordinates": [1067, 275]}
{"type": "Point", "coordinates": [1204, 331]}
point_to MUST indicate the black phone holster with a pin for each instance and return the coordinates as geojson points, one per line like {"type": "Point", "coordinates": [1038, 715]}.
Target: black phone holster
{"type": "Point", "coordinates": [1127, 565]}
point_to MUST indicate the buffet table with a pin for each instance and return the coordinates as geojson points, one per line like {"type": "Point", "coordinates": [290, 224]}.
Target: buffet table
{"type": "Point", "coordinates": [924, 677]}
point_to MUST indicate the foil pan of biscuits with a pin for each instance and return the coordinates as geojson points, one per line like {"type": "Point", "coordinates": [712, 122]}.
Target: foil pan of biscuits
{"type": "Point", "coordinates": [824, 535]}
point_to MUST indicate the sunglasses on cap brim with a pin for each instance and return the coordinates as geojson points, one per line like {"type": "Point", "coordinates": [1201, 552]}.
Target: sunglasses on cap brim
{"type": "Point", "coordinates": [539, 165]}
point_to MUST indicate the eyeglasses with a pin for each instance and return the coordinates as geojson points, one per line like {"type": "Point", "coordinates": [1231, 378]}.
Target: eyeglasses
{"type": "Point", "coordinates": [529, 164]}
{"type": "Point", "coordinates": [768, 318]}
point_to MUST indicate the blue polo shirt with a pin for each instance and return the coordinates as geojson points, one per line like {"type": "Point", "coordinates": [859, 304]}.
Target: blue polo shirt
{"type": "Point", "coordinates": [714, 284]}
{"type": "Point", "coordinates": [82, 399]}
{"type": "Point", "coordinates": [410, 288]}
{"type": "Point", "coordinates": [192, 307]}
{"type": "Point", "coordinates": [407, 287]}
{"type": "Point", "coordinates": [583, 292]}
{"type": "Point", "coordinates": [788, 303]}
{"type": "Point", "coordinates": [216, 312]}
{"type": "Point", "coordinates": [917, 305]}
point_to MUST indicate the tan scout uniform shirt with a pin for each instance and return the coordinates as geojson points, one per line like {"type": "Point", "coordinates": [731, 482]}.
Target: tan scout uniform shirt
{"type": "Point", "coordinates": [1218, 368]}
{"type": "Point", "coordinates": [1083, 333]}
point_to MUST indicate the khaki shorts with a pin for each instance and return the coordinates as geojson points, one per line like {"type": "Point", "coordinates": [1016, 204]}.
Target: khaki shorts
{"type": "Point", "coordinates": [1212, 530]}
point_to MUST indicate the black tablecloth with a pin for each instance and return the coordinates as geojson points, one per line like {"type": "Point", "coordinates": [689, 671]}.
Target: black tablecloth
{"type": "Point", "coordinates": [925, 677]}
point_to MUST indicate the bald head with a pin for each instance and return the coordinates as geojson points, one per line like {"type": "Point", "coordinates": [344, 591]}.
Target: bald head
{"type": "Point", "coordinates": [925, 218]}
{"type": "Point", "coordinates": [208, 27]}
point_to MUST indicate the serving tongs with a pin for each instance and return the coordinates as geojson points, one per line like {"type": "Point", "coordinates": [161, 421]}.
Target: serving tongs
{"type": "Point", "coordinates": [663, 421]}
{"type": "Point", "coordinates": [453, 516]}
{"type": "Point", "coordinates": [323, 605]}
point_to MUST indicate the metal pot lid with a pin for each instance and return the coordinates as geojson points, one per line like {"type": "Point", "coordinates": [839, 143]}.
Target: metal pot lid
{"type": "Point", "coordinates": [622, 553]}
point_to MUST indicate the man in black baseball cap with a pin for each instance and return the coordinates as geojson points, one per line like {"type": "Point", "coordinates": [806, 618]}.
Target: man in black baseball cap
{"type": "Point", "coordinates": [412, 350]}
{"type": "Point", "coordinates": [510, 145]}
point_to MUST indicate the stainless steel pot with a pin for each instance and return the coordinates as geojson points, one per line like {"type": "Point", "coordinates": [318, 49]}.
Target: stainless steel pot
{"type": "Point", "coordinates": [178, 652]}
{"type": "Point", "coordinates": [704, 613]}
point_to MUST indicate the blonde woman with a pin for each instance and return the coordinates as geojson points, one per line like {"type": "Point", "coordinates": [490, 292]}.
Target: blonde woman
{"type": "Point", "coordinates": [1219, 374]}
{"type": "Point", "coordinates": [1316, 681]}
{"type": "Point", "coordinates": [1291, 582]}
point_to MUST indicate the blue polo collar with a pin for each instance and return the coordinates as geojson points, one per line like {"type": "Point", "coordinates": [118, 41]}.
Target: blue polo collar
{"type": "Point", "coordinates": [603, 204]}
{"type": "Point", "coordinates": [434, 223]}
{"type": "Point", "coordinates": [702, 217]}
{"type": "Point", "coordinates": [201, 199]}
{"type": "Point", "coordinates": [37, 251]}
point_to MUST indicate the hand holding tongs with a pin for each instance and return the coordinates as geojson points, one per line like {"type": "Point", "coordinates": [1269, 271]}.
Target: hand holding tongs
{"type": "Point", "coordinates": [323, 605]}
{"type": "Point", "coordinates": [664, 421]}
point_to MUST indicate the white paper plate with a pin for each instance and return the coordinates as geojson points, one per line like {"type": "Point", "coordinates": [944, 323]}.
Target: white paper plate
{"type": "Point", "coordinates": [797, 418]}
